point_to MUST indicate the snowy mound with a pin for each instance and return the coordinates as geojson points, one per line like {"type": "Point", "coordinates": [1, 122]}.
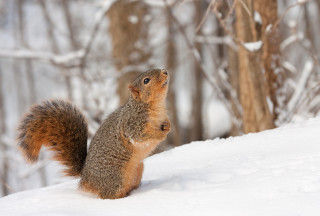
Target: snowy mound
{"type": "Point", "coordinates": [276, 172]}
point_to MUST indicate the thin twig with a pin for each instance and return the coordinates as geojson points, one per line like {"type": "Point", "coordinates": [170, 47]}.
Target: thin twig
{"type": "Point", "coordinates": [245, 8]}
{"type": "Point", "coordinates": [100, 16]}
{"type": "Point", "coordinates": [196, 56]}
{"type": "Point", "coordinates": [224, 26]}
{"type": "Point", "coordinates": [212, 2]}
{"type": "Point", "coordinates": [299, 3]}
{"type": "Point", "coordinates": [8, 187]}
{"type": "Point", "coordinates": [69, 60]}
{"type": "Point", "coordinates": [226, 40]}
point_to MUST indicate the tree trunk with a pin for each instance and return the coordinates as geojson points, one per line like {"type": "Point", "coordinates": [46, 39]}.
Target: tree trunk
{"type": "Point", "coordinates": [3, 147]}
{"type": "Point", "coordinates": [174, 136]}
{"type": "Point", "coordinates": [253, 97]}
{"type": "Point", "coordinates": [128, 28]}
{"type": "Point", "coordinates": [233, 65]}
{"type": "Point", "coordinates": [74, 46]}
{"type": "Point", "coordinates": [268, 11]}
{"type": "Point", "coordinates": [129, 32]}
{"type": "Point", "coordinates": [28, 63]}
{"type": "Point", "coordinates": [53, 42]}
{"type": "Point", "coordinates": [71, 32]}
{"type": "Point", "coordinates": [231, 56]}
{"type": "Point", "coordinates": [197, 131]}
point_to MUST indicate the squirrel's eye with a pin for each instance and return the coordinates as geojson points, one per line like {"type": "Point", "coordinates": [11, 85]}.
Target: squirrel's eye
{"type": "Point", "coordinates": [146, 80]}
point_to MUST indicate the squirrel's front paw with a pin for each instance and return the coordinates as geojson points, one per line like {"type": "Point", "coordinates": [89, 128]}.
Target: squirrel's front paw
{"type": "Point", "coordinates": [166, 126]}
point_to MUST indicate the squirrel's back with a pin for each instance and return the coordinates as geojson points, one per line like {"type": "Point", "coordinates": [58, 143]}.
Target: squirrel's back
{"type": "Point", "coordinates": [60, 126]}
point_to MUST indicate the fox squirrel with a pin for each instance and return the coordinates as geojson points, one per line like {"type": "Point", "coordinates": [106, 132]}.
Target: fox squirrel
{"type": "Point", "coordinates": [113, 165]}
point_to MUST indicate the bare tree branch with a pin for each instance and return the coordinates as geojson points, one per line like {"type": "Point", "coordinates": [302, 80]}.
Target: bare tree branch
{"type": "Point", "coordinates": [197, 58]}
{"type": "Point", "coordinates": [299, 3]}
{"type": "Point", "coordinates": [212, 2]}
{"type": "Point", "coordinates": [99, 17]}
{"type": "Point", "coordinates": [68, 60]}
{"type": "Point", "coordinates": [226, 29]}
{"type": "Point", "coordinates": [296, 98]}
{"type": "Point", "coordinates": [227, 40]}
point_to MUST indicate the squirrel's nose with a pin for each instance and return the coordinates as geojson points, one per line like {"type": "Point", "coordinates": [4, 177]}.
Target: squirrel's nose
{"type": "Point", "coordinates": [164, 72]}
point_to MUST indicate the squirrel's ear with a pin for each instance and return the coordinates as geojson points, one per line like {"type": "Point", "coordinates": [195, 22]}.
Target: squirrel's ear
{"type": "Point", "coordinates": [134, 91]}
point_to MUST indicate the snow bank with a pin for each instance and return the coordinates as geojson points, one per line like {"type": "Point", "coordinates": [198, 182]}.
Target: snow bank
{"type": "Point", "coordinates": [276, 172]}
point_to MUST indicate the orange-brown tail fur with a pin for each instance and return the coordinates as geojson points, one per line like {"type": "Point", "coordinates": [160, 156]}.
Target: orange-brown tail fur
{"type": "Point", "coordinates": [60, 126]}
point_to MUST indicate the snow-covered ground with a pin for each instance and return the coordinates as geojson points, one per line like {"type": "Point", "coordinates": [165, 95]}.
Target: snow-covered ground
{"type": "Point", "coordinates": [275, 172]}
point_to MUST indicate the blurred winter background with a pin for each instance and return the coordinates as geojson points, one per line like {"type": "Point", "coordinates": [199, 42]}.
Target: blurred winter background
{"type": "Point", "coordinates": [237, 66]}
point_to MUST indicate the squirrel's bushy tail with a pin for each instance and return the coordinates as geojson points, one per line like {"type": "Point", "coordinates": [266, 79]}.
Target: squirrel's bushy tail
{"type": "Point", "coordinates": [60, 126]}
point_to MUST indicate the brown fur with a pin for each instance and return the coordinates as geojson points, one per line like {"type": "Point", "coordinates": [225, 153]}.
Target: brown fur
{"type": "Point", "coordinates": [59, 126]}
{"type": "Point", "coordinates": [114, 164]}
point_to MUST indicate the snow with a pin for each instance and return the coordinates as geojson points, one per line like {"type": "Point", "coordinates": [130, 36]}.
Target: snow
{"type": "Point", "coordinates": [302, 1]}
{"type": "Point", "coordinates": [257, 17]}
{"type": "Point", "coordinates": [300, 86]}
{"type": "Point", "coordinates": [270, 104]}
{"type": "Point", "coordinates": [133, 19]}
{"type": "Point", "coordinates": [275, 172]}
{"type": "Point", "coordinates": [292, 23]}
{"type": "Point", "coordinates": [253, 46]}
{"type": "Point", "coordinates": [290, 67]}
{"type": "Point", "coordinates": [64, 59]}
{"type": "Point", "coordinates": [269, 28]}
{"type": "Point", "coordinates": [216, 118]}
{"type": "Point", "coordinates": [157, 3]}
{"type": "Point", "coordinates": [290, 40]}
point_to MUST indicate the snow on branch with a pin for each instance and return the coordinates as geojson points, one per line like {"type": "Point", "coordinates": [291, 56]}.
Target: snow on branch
{"type": "Point", "coordinates": [302, 1]}
{"type": "Point", "coordinates": [157, 3]}
{"type": "Point", "coordinates": [253, 46]}
{"type": "Point", "coordinates": [300, 87]}
{"type": "Point", "coordinates": [72, 59]}
{"type": "Point", "coordinates": [290, 67]}
{"type": "Point", "coordinates": [290, 40]}
{"type": "Point", "coordinates": [67, 60]}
